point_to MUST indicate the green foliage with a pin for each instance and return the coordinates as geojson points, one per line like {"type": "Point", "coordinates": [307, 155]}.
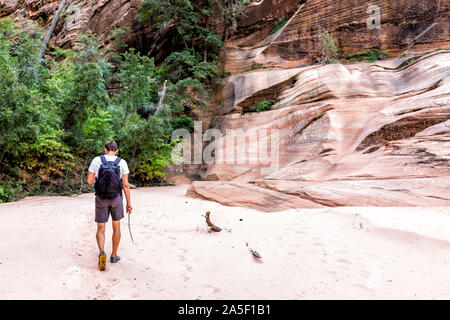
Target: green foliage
{"type": "Point", "coordinates": [138, 83]}
{"type": "Point", "coordinates": [411, 61]}
{"type": "Point", "coordinates": [328, 45]}
{"type": "Point", "coordinates": [280, 24]}
{"type": "Point", "coordinates": [191, 66]}
{"type": "Point", "coordinates": [3, 195]}
{"type": "Point", "coordinates": [233, 10]}
{"type": "Point", "coordinates": [320, 115]}
{"type": "Point", "coordinates": [55, 116]}
{"type": "Point", "coordinates": [146, 143]}
{"type": "Point", "coordinates": [186, 18]}
{"type": "Point", "coordinates": [369, 56]}
{"type": "Point", "coordinates": [264, 105]}
{"type": "Point", "coordinates": [183, 121]}
{"type": "Point", "coordinates": [19, 93]}
{"type": "Point", "coordinates": [118, 38]}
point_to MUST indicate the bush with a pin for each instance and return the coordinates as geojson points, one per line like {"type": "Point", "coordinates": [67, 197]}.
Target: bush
{"type": "Point", "coordinates": [56, 116]}
{"type": "Point", "coordinates": [264, 105]}
{"type": "Point", "coordinates": [280, 24]}
{"type": "Point", "coordinates": [3, 195]}
{"type": "Point", "coordinates": [329, 51]}
{"type": "Point", "coordinates": [369, 56]}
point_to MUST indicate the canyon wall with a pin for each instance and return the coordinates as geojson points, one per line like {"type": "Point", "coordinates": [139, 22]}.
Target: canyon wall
{"type": "Point", "coordinates": [347, 21]}
{"type": "Point", "coordinates": [362, 134]}
{"type": "Point", "coordinates": [100, 17]}
{"type": "Point", "coordinates": [343, 134]}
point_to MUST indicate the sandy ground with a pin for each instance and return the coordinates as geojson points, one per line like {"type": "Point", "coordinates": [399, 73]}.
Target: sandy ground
{"type": "Point", "coordinates": [48, 251]}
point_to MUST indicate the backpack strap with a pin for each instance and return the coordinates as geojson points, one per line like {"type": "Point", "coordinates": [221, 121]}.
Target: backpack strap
{"type": "Point", "coordinates": [116, 162]}
{"type": "Point", "coordinates": [102, 157]}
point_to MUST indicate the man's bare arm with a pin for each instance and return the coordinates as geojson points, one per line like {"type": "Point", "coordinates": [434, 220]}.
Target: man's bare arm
{"type": "Point", "coordinates": [126, 189]}
{"type": "Point", "coordinates": [91, 178]}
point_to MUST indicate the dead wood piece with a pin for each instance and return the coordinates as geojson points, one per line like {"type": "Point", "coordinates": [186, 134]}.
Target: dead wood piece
{"type": "Point", "coordinates": [161, 98]}
{"type": "Point", "coordinates": [52, 29]}
{"type": "Point", "coordinates": [210, 224]}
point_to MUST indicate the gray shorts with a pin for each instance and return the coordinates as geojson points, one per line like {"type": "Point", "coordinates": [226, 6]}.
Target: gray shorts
{"type": "Point", "coordinates": [105, 206]}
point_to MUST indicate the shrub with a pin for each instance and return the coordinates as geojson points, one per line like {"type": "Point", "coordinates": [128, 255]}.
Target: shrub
{"type": "Point", "coordinates": [3, 195]}
{"type": "Point", "coordinates": [328, 45]}
{"type": "Point", "coordinates": [264, 105]}
{"type": "Point", "coordinates": [55, 117]}
{"type": "Point", "coordinates": [280, 24]}
{"type": "Point", "coordinates": [369, 56]}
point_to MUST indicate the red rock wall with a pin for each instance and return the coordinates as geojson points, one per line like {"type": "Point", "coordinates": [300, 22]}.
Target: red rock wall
{"type": "Point", "coordinates": [346, 20]}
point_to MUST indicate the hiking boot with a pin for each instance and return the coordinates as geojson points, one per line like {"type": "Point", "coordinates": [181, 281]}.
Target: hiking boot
{"type": "Point", "coordinates": [102, 261]}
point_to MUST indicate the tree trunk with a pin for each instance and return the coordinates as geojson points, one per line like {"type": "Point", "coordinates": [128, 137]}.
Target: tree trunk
{"type": "Point", "coordinates": [82, 175]}
{"type": "Point", "coordinates": [161, 98]}
{"type": "Point", "coordinates": [52, 29]}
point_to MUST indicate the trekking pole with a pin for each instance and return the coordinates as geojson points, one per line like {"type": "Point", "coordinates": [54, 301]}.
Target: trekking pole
{"type": "Point", "coordinates": [129, 228]}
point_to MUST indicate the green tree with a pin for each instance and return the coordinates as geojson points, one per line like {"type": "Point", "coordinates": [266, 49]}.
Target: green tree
{"type": "Point", "coordinates": [192, 64]}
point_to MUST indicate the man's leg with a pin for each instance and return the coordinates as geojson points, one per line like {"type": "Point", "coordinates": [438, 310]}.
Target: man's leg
{"type": "Point", "coordinates": [116, 214]}
{"type": "Point", "coordinates": [101, 236]}
{"type": "Point", "coordinates": [101, 245]}
{"type": "Point", "coordinates": [101, 217]}
{"type": "Point", "coordinates": [115, 237]}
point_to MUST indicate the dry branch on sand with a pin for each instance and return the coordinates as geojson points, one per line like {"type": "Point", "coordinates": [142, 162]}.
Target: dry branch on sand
{"type": "Point", "coordinates": [210, 224]}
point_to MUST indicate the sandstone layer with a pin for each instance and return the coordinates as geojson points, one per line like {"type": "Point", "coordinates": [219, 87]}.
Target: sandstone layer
{"type": "Point", "coordinates": [352, 23]}
{"type": "Point", "coordinates": [348, 135]}
{"type": "Point", "coordinates": [254, 44]}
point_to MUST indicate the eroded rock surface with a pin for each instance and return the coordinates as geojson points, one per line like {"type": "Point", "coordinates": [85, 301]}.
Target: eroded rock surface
{"type": "Point", "coordinates": [361, 134]}
{"type": "Point", "coordinates": [297, 41]}
{"type": "Point", "coordinates": [101, 17]}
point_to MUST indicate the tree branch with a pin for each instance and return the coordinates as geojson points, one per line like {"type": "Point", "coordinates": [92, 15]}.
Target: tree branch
{"type": "Point", "coordinates": [52, 29]}
{"type": "Point", "coordinates": [210, 224]}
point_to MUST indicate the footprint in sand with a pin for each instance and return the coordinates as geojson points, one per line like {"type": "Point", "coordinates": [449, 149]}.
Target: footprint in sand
{"type": "Point", "coordinates": [344, 261]}
{"type": "Point", "coordinates": [318, 244]}
{"type": "Point", "coordinates": [215, 289]}
{"type": "Point", "coordinates": [331, 272]}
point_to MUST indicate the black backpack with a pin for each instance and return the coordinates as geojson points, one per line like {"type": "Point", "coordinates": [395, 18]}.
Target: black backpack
{"type": "Point", "coordinates": [108, 183]}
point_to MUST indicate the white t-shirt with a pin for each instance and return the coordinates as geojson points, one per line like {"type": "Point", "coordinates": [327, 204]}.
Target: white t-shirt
{"type": "Point", "coordinates": [97, 162]}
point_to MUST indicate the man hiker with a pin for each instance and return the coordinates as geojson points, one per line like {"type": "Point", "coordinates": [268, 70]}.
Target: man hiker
{"type": "Point", "coordinates": [110, 174]}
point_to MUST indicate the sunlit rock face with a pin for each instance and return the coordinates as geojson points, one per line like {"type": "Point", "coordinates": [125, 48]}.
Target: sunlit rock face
{"type": "Point", "coordinates": [353, 23]}
{"type": "Point", "coordinates": [358, 134]}
{"type": "Point", "coordinates": [254, 43]}
{"type": "Point", "coordinates": [365, 134]}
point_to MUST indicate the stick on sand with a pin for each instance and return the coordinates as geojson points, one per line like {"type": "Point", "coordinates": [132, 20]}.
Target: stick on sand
{"type": "Point", "coordinates": [129, 228]}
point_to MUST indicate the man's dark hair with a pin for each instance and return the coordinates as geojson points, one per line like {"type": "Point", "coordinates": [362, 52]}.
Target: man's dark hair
{"type": "Point", "coordinates": [111, 145]}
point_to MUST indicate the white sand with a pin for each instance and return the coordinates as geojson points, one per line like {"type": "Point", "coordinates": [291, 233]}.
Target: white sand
{"type": "Point", "coordinates": [48, 251]}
